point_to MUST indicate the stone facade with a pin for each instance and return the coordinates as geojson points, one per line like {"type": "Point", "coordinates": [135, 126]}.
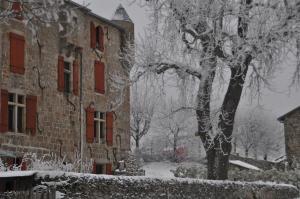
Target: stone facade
{"type": "Point", "coordinates": [291, 122]}
{"type": "Point", "coordinates": [59, 119]}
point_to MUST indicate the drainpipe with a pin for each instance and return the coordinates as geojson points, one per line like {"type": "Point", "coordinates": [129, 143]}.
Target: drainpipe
{"type": "Point", "coordinates": [81, 115]}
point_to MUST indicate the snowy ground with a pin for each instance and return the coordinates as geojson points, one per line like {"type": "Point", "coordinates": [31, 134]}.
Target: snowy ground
{"type": "Point", "coordinates": [163, 169]}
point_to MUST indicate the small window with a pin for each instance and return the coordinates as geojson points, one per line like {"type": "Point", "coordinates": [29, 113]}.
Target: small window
{"type": "Point", "coordinates": [99, 127]}
{"type": "Point", "coordinates": [99, 169]}
{"type": "Point", "coordinates": [16, 113]}
{"type": "Point", "coordinates": [99, 38]}
{"type": "Point", "coordinates": [67, 77]}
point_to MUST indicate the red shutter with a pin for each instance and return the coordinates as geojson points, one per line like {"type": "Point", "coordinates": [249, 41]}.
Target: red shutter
{"type": "Point", "coordinates": [23, 166]}
{"type": "Point", "coordinates": [4, 111]}
{"type": "Point", "coordinates": [109, 169]}
{"type": "Point", "coordinates": [99, 77]}
{"type": "Point", "coordinates": [93, 35]}
{"type": "Point", "coordinates": [60, 74]}
{"type": "Point", "coordinates": [90, 125]}
{"type": "Point", "coordinates": [94, 167]}
{"type": "Point", "coordinates": [75, 78]}
{"type": "Point", "coordinates": [109, 128]}
{"type": "Point", "coordinates": [17, 53]}
{"type": "Point", "coordinates": [17, 10]}
{"type": "Point", "coordinates": [101, 39]}
{"type": "Point", "coordinates": [31, 114]}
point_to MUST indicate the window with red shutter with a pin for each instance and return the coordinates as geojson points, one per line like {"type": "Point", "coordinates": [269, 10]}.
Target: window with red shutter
{"type": "Point", "coordinates": [109, 128]}
{"type": "Point", "coordinates": [17, 53]}
{"type": "Point", "coordinates": [17, 10]}
{"type": "Point", "coordinates": [94, 167]}
{"type": "Point", "coordinates": [109, 169]}
{"type": "Point", "coordinates": [99, 77]}
{"type": "Point", "coordinates": [90, 125]}
{"type": "Point", "coordinates": [99, 38]}
{"type": "Point", "coordinates": [75, 77]}
{"type": "Point", "coordinates": [93, 35]}
{"type": "Point", "coordinates": [60, 74]}
{"type": "Point", "coordinates": [31, 114]}
{"type": "Point", "coordinates": [4, 111]}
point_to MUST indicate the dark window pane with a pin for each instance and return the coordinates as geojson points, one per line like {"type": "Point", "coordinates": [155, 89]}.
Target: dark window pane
{"type": "Point", "coordinates": [11, 118]}
{"type": "Point", "coordinates": [95, 131]}
{"type": "Point", "coordinates": [95, 114]}
{"type": "Point", "coordinates": [11, 97]}
{"type": "Point", "coordinates": [67, 82]}
{"type": "Point", "coordinates": [102, 130]}
{"type": "Point", "coordinates": [20, 99]}
{"type": "Point", "coordinates": [99, 169]}
{"type": "Point", "coordinates": [20, 120]}
{"type": "Point", "coordinates": [102, 115]}
{"type": "Point", "coordinates": [67, 66]}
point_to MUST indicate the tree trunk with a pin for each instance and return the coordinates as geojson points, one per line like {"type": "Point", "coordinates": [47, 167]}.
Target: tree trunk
{"type": "Point", "coordinates": [246, 153]}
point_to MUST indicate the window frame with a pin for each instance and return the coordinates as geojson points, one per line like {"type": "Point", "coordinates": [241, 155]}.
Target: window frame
{"type": "Point", "coordinates": [97, 127]}
{"type": "Point", "coordinates": [16, 105]}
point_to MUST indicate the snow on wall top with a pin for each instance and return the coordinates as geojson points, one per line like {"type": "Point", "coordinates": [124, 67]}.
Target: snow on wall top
{"type": "Point", "coordinates": [244, 164]}
{"type": "Point", "coordinates": [11, 174]}
{"type": "Point", "coordinates": [121, 14]}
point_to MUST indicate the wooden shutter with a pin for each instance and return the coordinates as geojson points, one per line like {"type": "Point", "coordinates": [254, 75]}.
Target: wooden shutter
{"type": "Point", "coordinates": [109, 128]}
{"type": "Point", "coordinates": [17, 53]}
{"type": "Point", "coordinates": [17, 10]}
{"type": "Point", "coordinates": [101, 39]}
{"type": "Point", "coordinates": [60, 74]}
{"type": "Point", "coordinates": [4, 111]}
{"type": "Point", "coordinates": [90, 125]}
{"type": "Point", "coordinates": [31, 114]}
{"type": "Point", "coordinates": [93, 35]}
{"type": "Point", "coordinates": [75, 77]}
{"type": "Point", "coordinates": [23, 166]}
{"type": "Point", "coordinates": [109, 169]}
{"type": "Point", "coordinates": [99, 77]}
{"type": "Point", "coordinates": [94, 167]}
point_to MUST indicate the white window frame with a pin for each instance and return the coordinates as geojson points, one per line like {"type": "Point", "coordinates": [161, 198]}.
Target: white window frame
{"type": "Point", "coordinates": [98, 121]}
{"type": "Point", "coordinates": [15, 105]}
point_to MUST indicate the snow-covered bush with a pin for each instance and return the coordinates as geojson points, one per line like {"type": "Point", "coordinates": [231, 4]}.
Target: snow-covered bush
{"type": "Point", "coordinates": [273, 175]}
{"type": "Point", "coordinates": [53, 162]}
{"type": "Point", "coordinates": [48, 162]}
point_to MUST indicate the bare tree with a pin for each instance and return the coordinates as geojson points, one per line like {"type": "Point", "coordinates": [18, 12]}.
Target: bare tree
{"type": "Point", "coordinates": [174, 124]}
{"type": "Point", "coordinates": [256, 134]}
{"type": "Point", "coordinates": [200, 39]}
{"type": "Point", "coordinates": [142, 111]}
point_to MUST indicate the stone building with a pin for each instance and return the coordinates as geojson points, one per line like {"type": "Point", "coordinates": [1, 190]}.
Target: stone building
{"type": "Point", "coordinates": [58, 93]}
{"type": "Point", "coordinates": [291, 121]}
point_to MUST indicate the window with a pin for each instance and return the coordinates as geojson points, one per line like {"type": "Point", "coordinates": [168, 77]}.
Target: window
{"type": "Point", "coordinates": [99, 169]}
{"type": "Point", "coordinates": [16, 113]}
{"type": "Point", "coordinates": [99, 127]}
{"type": "Point", "coordinates": [99, 38]}
{"type": "Point", "coordinates": [67, 77]}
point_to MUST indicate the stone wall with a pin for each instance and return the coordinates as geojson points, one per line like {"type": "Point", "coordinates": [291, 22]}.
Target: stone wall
{"type": "Point", "coordinates": [58, 124]}
{"type": "Point", "coordinates": [292, 135]}
{"type": "Point", "coordinates": [104, 187]}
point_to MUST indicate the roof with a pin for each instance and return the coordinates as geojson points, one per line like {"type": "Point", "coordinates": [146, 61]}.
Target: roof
{"type": "Point", "coordinates": [281, 118]}
{"type": "Point", "coordinates": [244, 164]}
{"type": "Point", "coordinates": [89, 12]}
{"type": "Point", "coordinates": [121, 14]}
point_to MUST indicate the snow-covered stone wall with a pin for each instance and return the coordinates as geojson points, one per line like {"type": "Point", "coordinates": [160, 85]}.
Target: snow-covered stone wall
{"type": "Point", "coordinates": [73, 185]}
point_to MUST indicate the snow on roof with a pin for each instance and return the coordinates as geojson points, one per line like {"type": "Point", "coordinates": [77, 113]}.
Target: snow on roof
{"type": "Point", "coordinates": [244, 164]}
{"type": "Point", "coordinates": [10, 174]}
{"type": "Point", "coordinates": [121, 14]}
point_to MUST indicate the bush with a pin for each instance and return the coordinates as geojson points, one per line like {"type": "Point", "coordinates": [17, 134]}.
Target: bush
{"type": "Point", "coordinates": [273, 175]}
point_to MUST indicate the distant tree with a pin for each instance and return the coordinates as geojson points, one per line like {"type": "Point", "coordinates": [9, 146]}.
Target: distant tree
{"type": "Point", "coordinates": [255, 133]}
{"type": "Point", "coordinates": [174, 124]}
{"type": "Point", "coordinates": [142, 110]}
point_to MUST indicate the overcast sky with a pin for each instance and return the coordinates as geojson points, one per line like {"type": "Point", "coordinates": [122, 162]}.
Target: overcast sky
{"type": "Point", "coordinates": [277, 102]}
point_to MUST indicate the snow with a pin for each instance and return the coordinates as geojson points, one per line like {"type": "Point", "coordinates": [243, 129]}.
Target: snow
{"type": "Point", "coordinates": [159, 169]}
{"type": "Point", "coordinates": [121, 14]}
{"type": "Point", "coordinates": [244, 164]}
{"type": "Point", "coordinates": [9, 174]}
{"type": "Point", "coordinates": [59, 195]}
